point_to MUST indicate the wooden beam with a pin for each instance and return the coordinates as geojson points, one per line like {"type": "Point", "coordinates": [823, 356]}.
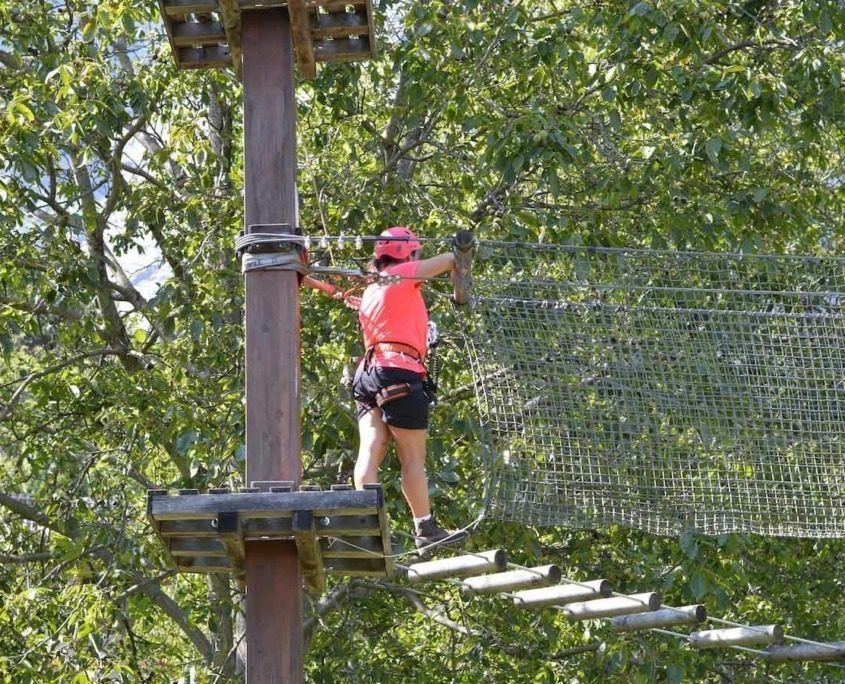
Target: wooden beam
{"type": "Point", "coordinates": [310, 558]}
{"type": "Point", "coordinates": [209, 57]}
{"type": "Point", "coordinates": [562, 594]}
{"type": "Point", "coordinates": [737, 636]}
{"type": "Point", "coordinates": [266, 504]}
{"type": "Point", "coordinates": [191, 34]}
{"type": "Point", "coordinates": [274, 634]}
{"type": "Point", "coordinates": [196, 546]}
{"type": "Point", "coordinates": [181, 7]}
{"type": "Point", "coordinates": [336, 6]}
{"type": "Point", "coordinates": [356, 547]}
{"type": "Point", "coordinates": [339, 24]}
{"type": "Point", "coordinates": [230, 16]}
{"type": "Point", "coordinates": [611, 607]}
{"type": "Point", "coordinates": [254, 529]}
{"type": "Point", "coordinates": [351, 525]}
{"type": "Point", "coordinates": [261, 4]}
{"type": "Point", "coordinates": [355, 567]}
{"type": "Point", "coordinates": [203, 564]}
{"type": "Point", "coordinates": [464, 246]}
{"type": "Point", "coordinates": [514, 579]}
{"type": "Point", "coordinates": [343, 49]}
{"type": "Point", "coordinates": [302, 38]}
{"type": "Point", "coordinates": [186, 528]}
{"type": "Point", "coordinates": [664, 617]}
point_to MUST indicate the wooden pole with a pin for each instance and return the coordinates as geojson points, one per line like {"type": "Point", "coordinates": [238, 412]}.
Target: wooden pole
{"type": "Point", "coordinates": [830, 651]}
{"type": "Point", "coordinates": [464, 244]}
{"type": "Point", "coordinates": [562, 594]}
{"type": "Point", "coordinates": [458, 566]}
{"type": "Point", "coordinates": [737, 636]}
{"type": "Point", "coordinates": [611, 607]}
{"type": "Point", "coordinates": [541, 576]}
{"type": "Point", "coordinates": [274, 635]}
{"type": "Point", "coordinates": [665, 617]}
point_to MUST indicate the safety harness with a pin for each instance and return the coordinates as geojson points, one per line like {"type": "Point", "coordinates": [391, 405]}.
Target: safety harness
{"type": "Point", "coordinates": [403, 389]}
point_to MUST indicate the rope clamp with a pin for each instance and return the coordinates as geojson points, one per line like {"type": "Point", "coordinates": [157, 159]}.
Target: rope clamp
{"type": "Point", "coordinates": [262, 248]}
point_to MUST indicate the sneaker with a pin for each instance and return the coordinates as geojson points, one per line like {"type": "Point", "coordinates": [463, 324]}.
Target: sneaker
{"type": "Point", "coordinates": [431, 533]}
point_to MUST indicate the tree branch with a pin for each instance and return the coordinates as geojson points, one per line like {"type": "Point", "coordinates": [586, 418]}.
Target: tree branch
{"type": "Point", "coordinates": [27, 380]}
{"type": "Point", "coordinates": [744, 45]}
{"type": "Point", "coordinates": [26, 558]}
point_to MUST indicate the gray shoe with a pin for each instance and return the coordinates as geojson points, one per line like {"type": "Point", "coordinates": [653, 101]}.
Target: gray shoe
{"type": "Point", "coordinates": [431, 533]}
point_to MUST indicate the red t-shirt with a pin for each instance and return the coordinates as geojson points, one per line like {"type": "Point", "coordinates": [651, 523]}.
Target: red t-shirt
{"type": "Point", "coordinates": [395, 312]}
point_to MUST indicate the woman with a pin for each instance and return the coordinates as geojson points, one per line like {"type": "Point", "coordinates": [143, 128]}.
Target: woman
{"type": "Point", "coordinates": [388, 387]}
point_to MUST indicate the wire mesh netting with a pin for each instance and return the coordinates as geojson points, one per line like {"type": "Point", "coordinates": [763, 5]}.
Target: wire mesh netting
{"type": "Point", "coordinates": [670, 392]}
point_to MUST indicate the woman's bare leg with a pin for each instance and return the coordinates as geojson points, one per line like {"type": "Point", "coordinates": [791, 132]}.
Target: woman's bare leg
{"type": "Point", "coordinates": [372, 448]}
{"type": "Point", "coordinates": [411, 447]}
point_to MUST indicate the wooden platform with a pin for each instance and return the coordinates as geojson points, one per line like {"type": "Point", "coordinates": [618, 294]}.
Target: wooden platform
{"type": "Point", "coordinates": [337, 532]}
{"type": "Point", "coordinates": [206, 34]}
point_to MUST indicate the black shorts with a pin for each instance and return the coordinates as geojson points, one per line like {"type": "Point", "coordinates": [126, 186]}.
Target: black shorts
{"type": "Point", "coordinates": [409, 412]}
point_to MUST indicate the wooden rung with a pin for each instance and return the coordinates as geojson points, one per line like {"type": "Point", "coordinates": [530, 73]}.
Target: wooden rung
{"type": "Point", "coordinates": [197, 33]}
{"type": "Point", "coordinates": [737, 636]}
{"type": "Point", "coordinates": [826, 651]}
{"type": "Point", "coordinates": [188, 492]}
{"type": "Point", "coordinates": [665, 617]}
{"type": "Point", "coordinates": [220, 490]}
{"type": "Point", "coordinates": [458, 566]}
{"type": "Point", "coordinates": [562, 594]}
{"type": "Point", "coordinates": [341, 487]}
{"type": "Point", "coordinates": [611, 607]}
{"type": "Point", "coordinates": [309, 488]}
{"type": "Point", "coordinates": [514, 579]}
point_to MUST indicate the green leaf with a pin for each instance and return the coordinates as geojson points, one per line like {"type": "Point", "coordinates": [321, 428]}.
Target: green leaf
{"type": "Point", "coordinates": [699, 585]}
{"type": "Point", "coordinates": [713, 147]}
{"type": "Point", "coordinates": [640, 9]}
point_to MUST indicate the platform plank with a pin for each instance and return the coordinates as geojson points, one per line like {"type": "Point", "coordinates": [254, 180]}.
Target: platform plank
{"type": "Point", "coordinates": [203, 58]}
{"type": "Point", "coordinates": [339, 24]}
{"type": "Point", "coordinates": [342, 49]}
{"type": "Point", "coordinates": [354, 547]}
{"type": "Point", "coordinates": [202, 546]}
{"type": "Point", "coordinates": [204, 564]}
{"type": "Point", "coordinates": [180, 7]}
{"type": "Point", "coordinates": [189, 34]}
{"type": "Point", "coordinates": [265, 504]}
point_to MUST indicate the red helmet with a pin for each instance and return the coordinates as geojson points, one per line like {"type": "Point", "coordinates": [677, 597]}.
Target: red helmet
{"type": "Point", "coordinates": [401, 245]}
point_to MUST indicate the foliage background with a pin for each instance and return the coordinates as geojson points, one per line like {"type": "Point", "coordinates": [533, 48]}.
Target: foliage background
{"type": "Point", "coordinates": [681, 124]}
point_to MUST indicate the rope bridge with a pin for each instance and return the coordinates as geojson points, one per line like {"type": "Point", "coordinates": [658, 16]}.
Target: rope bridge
{"type": "Point", "coordinates": [671, 392]}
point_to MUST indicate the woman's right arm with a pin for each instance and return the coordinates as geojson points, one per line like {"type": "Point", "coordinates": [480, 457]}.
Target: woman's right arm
{"type": "Point", "coordinates": [436, 265]}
